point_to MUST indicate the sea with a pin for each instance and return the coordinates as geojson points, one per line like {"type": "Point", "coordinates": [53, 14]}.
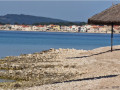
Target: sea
{"type": "Point", "coordinates": [14, 43]}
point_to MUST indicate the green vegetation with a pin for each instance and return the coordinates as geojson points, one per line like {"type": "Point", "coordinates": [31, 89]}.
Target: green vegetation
{"type": "Point", "coordinates": [62, 23]}
{"type": "Point", "coordinates": [2, 23]}
{"type": "Point", "coordinates": [48, 23]}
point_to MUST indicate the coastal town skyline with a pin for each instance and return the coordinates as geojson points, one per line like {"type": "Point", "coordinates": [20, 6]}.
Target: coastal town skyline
{"type": "Point", "coordinates": [61, 28]}
{"type": "Point", "coordinates": [65, 10]}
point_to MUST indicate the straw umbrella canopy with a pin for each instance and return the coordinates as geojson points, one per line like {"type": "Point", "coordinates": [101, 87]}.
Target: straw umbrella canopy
{"type": "Point", "coordinates": [110, 16]}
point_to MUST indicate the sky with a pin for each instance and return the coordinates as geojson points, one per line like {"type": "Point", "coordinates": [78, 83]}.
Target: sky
{"type": "Point", "coordinates": [77, 10]}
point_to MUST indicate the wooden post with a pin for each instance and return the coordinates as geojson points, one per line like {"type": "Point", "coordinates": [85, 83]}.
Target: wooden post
{"type": "Point", "coordinates": [112, 37]}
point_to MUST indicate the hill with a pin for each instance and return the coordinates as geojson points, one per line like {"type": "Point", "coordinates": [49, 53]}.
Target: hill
{"type": "Point", "coordinates": [27, 19]}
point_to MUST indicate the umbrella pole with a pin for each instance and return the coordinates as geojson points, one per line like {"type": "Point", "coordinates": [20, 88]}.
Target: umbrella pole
{"type": "Point", "coordinates": [112, 38]}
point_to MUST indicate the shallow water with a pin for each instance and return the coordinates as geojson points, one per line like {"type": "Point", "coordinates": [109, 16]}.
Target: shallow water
{"type": "Point", "coordinates": [13, 43]}
{"type": "Point", "coordinates": [6, 80]}
{"type": "Point", "coordinates": [3, 70]}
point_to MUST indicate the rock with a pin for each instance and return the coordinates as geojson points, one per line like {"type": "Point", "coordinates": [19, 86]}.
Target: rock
{"type": "Point", "coordinates": [17, 85]}
{"type": "Point", "coordinates": [10, 71]}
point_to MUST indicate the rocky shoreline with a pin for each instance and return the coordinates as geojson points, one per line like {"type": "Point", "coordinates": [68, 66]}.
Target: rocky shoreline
{"type": "Point", "coordinates": [35, 69]}
{"type": "Point", "coordinates": [57, 65]}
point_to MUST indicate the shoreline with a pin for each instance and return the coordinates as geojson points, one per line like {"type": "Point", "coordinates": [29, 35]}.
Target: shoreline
{"type": "Point", "coordinates": [59, 32]}
{"type": "Point", "coordinates": [42, 69]}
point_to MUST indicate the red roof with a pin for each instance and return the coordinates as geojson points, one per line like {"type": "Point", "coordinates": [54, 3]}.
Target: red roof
{"type": "Point", "coordinates": [40, 26]}
{"type": "Point", "coordinates": [25, 26]}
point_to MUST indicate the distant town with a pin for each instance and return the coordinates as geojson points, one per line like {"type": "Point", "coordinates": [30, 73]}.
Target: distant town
{"type": "Point", "coordinates": [57, 28]}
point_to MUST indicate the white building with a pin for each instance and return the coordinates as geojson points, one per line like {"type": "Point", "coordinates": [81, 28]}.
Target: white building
{"type": "Point", "coordinates": [42, 27]}
{"type": "Point", "coordinates": [74, 28]}
{"type": "Point", "coordinates": [85, 28]}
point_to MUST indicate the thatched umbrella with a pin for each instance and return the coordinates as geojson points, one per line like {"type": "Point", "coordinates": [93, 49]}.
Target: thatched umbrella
{"type": "Point", "coordinates": [110, 16]}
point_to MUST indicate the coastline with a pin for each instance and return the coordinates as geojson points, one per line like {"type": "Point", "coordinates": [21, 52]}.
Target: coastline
{"type": "Point", "coordinates": [47, 68]}
{"type": "Point", "coordinates": [59, 31]}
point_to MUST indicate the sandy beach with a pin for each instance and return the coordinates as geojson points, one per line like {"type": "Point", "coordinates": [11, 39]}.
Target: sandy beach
{"type": "Point", "coordinates": [64, 69]}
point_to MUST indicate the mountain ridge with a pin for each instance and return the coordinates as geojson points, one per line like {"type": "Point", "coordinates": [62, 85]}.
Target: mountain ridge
{"type": "Point", "coordinates": [27, 19]}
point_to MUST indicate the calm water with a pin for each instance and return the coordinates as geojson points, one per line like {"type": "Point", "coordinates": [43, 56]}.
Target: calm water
{"type": "Point", "coordinates": [6, 80]}
{"type": "Point", "coordinates": [13, 43]}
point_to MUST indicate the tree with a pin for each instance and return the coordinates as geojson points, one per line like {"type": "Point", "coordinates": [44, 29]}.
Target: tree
{"type": "Point", "coordinates": [2, 23]}
{"type": "Point", "coordinates": [16, 23]}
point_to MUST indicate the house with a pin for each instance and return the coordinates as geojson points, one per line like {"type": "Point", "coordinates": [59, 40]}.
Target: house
{"type": "Point", "coordinates": [16, 27]}
{"type": "Point", "coordinates": [42, 27]}
{"type": "Point", "coordinates": [83, 29]}
{"type": "Point", "coordinates": [1, 27]}
{"type": "Point", "coordinates": [74, 28]}
{"type": "Point", "coordinates": [68, 28]}
{"type": "Point", "coordinates": [63, 28]}
{"type": "Point", "coordinates": [56, 27]}
{"type": "Point", "coordinates": [93, 29]}
{"type": "Point", "coordinates": [26, 28]}
{"type": "Point", "coordinates": [34, 28]}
